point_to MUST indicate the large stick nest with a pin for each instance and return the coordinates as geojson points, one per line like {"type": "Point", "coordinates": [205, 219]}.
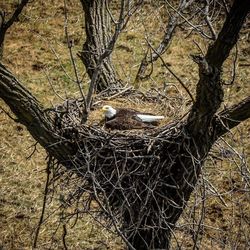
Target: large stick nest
{"type": "Point", "coordinates": [128, 173]}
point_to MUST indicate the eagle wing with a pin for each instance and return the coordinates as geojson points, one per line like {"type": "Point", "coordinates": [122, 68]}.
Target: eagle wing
{"type": "Point", "coordinates": [126, 123]}
{"type": "Point", "coordinates": [126, 119]}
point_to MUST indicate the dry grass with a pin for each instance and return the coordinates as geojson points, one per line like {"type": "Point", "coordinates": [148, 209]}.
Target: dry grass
{"type": "Point", "coordinates": [32, 48]}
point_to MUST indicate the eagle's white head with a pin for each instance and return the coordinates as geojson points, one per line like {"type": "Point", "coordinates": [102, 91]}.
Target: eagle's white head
{"type": "Point", "coordinates": [108, 111]}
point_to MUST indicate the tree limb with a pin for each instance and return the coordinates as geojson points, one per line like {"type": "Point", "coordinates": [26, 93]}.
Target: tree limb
{"type": "Point", "coordinates": [16, 13]}
{"type": "Point", "coordinates": [231, 117]}
{"type": "Point", "coordinates": [167, 38]}
{"type": "Point", "coordinates": [30, 113]}
{"type": "Point", "coordinates": [227, 38]}
{"type": "Point", "coordinates": [5, 25]}
{"type": "Point", "coordinates": [209, 91]}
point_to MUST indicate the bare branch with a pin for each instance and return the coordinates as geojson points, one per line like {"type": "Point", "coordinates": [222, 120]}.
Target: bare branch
{"type": "Point", "coordinates": [162, 47]}
{"type": "Point", "coordinates": [209, 92]}
{"type": "Point", "coordinates": [231, 117]}
{"type": "Point", "coordinates": [16, 13]}
{"type": "Point", "coordinates": [8, 114]}
{"type": "Point", "coordinates": [229, 34]}
{"type": "Point", "coordinates": [70, 44]}
{"type": "Point", "coordinates": [208, 21]}
{"type": "Point", "coordinates": [172, 73]}
{"type": "Point", "coordinates": [44, 202]}
{"type": "Point", "coordinates": [5, 25]}
{"type": "Point", "coordinates": [30, 113]}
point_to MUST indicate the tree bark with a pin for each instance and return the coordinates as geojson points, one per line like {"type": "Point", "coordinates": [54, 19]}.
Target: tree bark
{"type": "Point", "coordinates": [209, 92]}
{"type": "Point", "coordinates": [98, 35]}
{"type": "Point", "coordinates": [30, 113]}
{"type": "Point", "coordinates": [230, 118]}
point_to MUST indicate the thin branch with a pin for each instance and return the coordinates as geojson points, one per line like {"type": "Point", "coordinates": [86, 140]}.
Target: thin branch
{"type": "Point", "coordinates": [162, 47]}
{"type": "Point", "coordinates": [33, 151]}
{"type": "Point", "coordinates": [70, 45]}
{"type": "Point", "coordinates": [9, 115]}
{"type": "Point", "coordinates": [117, 94]}
{"type": "Point", "coordinates": [16, 13]}
{"type": "Point", "coordinates": [174, 75]}
{"type": "Point", "coordinates": [44, 202]}
{"type": "Point", "coordinates": [199, 47]}
{"type": "Point", "coordinates": [120, 25]}
{"type": "Point", "coordinates": [64, 237]}
{"type": "Point", "coordinates": [57, 57]}
{"type": "Point", "coordinates": [5, 25]}
{"type": "Point", "coordinates": [208, 21]}
{"type": "Point", "coordinates": [225, 4]}
{"type": "Point", "coordinates": [51, 85]}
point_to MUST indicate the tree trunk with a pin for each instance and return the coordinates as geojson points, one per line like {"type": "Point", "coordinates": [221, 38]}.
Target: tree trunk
{"type": "Point", "coordinates": [98, 34]}
{"type": "Point", "coordinates": [199, 134]}
{"type": "Point", "coordinates": [172, 175]}
{"type": "Point", "coordinates": [154, 217]}
{"type": "Point", "coordinates": [146, 180]}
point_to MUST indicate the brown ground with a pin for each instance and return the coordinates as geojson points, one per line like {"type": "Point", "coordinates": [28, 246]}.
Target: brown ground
{"type": "Point", "coordinates": [35, 47]}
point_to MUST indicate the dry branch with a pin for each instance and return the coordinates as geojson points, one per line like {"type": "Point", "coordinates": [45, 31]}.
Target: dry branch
{"type": "Point", "coordinates": [231, 117]}
{"type": "Point", "coordinates": [209, 92]}
{"type": "Point", "coordinates": [30, 113]}
{"type": "Point", "coordinates": [164, 44]}
{"type": "Point", "coordinates": [6, 24]}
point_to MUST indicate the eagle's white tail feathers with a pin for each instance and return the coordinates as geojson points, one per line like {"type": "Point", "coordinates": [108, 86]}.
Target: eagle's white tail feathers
{"type": "Point", "coordinates": [150, 118]}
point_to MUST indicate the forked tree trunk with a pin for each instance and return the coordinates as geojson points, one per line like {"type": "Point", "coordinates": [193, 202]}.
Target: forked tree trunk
{"type": "Point", "coordinates": [171, 169]}
{"type": "Point", "coordinates": [199, 134]}
{"type": "Point", "coordinates": [98, 34]}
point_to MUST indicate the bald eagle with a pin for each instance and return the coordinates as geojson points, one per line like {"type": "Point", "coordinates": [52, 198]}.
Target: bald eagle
{"type": "Point", "coordinates": [124, 118]}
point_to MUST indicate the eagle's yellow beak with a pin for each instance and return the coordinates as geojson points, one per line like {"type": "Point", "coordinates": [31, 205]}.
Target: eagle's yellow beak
{"type": "Point", "coordinates": [105, 108]}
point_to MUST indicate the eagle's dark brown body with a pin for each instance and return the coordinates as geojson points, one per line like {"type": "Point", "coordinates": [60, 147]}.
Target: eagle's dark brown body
{"type": "Point", "coordinates": [126, 119]}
